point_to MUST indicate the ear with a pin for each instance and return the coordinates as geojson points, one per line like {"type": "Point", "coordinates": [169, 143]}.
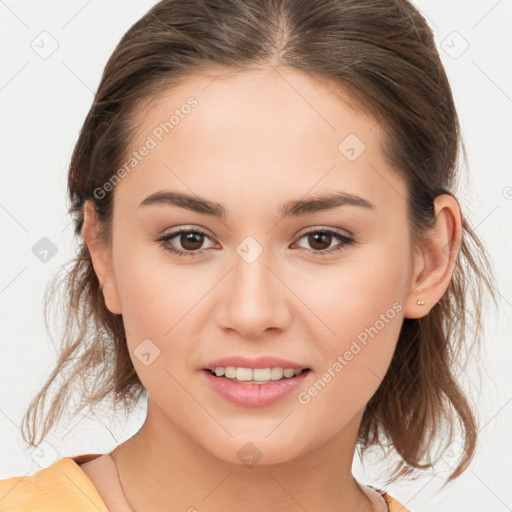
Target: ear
{"type": "Point", "coordinates": [434, 261]}
{"type": "Point", "coordinates": [101, 258]}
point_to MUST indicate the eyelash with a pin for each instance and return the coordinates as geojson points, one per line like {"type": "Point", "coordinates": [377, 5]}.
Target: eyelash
{"type": "Point", "coordinates": [164, 242]}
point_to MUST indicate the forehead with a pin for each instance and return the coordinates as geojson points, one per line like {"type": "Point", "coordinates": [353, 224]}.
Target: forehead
{"type": "Point", "coordinates": [264, 133]}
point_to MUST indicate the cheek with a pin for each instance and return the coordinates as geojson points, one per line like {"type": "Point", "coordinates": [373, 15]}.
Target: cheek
{"type": "Point", "coordinates": [155, 295]}
{"type": "Point", "coordinates": [146, 301]}
{"type": "Point", "coordinates": [161, 304]}
{"type": "Point", "coordinates": [153, 304]}
{"type": "Point", "coordinates": [361, 305]}
{"type": "Point", "coordinates": [355, 359]}
{"type": "Point", "coordinates": [354, 294]}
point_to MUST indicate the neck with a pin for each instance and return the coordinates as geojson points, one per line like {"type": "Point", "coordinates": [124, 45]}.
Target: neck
{"type": "Point", "coordinates": [161, 467]}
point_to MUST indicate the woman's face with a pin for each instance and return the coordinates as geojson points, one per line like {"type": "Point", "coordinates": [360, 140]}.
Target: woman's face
{"type": "Point", "coordinates": [264, 273]}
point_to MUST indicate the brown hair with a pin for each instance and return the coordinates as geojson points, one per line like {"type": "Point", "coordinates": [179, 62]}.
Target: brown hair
{"type": "Point", "coordinates": [383, 53]}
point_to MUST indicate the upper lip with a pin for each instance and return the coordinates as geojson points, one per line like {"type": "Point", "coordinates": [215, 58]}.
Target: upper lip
{"type": "Point", "coordinates": [254, 362]}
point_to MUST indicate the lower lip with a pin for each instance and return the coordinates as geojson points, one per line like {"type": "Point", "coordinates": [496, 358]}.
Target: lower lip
{"type": "Point", "coordinates": [254, 395]}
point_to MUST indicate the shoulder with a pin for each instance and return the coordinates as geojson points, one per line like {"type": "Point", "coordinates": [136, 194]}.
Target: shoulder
{"type": "Point", "coordinates": [60, 487]}
{"type": "Point", "coordinates": [393, 504]}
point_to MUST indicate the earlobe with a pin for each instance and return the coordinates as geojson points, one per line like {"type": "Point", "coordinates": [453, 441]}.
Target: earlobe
{"type": "Point", "coordinates": [101, 259]}
{"type": "Point", "coordinates": [434, 261]}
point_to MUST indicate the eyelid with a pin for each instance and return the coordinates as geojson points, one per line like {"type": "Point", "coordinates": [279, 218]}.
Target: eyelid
{"type": "Point", "coordinates": [174, 232]}
{"type": "Point", "coordinates": [185, 227]}
{"type": "Point", "coordinates": [314, 229]}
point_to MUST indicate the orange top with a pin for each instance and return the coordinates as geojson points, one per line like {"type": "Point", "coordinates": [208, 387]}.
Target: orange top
{"type": "Point", "coordinates": [65, 486]}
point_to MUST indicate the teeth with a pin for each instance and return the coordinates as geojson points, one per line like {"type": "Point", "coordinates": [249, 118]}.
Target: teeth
{"type": "Point", "coordinates": [255, 375]}
{"type": "Point", "coordinates": [230, 372]}
{"type": "Point", "coordinates": [244, 374]}
{"type": "Point", "coordinates": [276, 373]}
{"type": "Point", "coordinates": [260, 374]}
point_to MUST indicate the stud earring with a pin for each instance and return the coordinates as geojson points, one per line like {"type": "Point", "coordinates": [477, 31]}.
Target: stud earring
{"type": "Point", "coordinates": [420, 302]}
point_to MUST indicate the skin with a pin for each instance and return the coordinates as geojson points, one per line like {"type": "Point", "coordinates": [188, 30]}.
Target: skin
{"type": "Point", "coordinates": [255, 141]}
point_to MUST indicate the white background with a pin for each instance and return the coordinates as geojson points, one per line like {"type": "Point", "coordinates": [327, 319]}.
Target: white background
{"type": "Point", "coordinates": [44, 102]}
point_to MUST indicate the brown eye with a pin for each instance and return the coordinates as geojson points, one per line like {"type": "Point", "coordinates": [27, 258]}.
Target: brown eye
{"type": "Point", "coordinates": [191, 240]}
{"type": "Point", "coordinates": [320, 240]}
{"type": "Point", "coordinates": [185, 242]}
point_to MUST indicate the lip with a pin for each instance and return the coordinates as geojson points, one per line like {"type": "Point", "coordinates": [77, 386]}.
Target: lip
{"type": "Point", "coordinates": [265, 361]}
{"type": "Point", "coordinates": [254, 395]}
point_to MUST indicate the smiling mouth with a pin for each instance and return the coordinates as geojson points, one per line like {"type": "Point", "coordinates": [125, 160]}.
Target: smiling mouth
{"type": "Point", "coordinates": [255, 375]}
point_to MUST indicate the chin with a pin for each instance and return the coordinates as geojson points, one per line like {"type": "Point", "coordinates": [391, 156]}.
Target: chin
{"type": "Point", "coordinates": [253, 450]}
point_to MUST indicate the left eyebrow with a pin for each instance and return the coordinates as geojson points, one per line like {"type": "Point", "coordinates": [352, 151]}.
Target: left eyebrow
{"type": "Point", "coordinates": [322, 203]}
{"type": "Point", "coordinates": [292, 208]}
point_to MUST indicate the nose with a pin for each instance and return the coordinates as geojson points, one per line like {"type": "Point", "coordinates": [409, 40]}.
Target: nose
{"type": "Point", "coordinates": [253, 298]}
